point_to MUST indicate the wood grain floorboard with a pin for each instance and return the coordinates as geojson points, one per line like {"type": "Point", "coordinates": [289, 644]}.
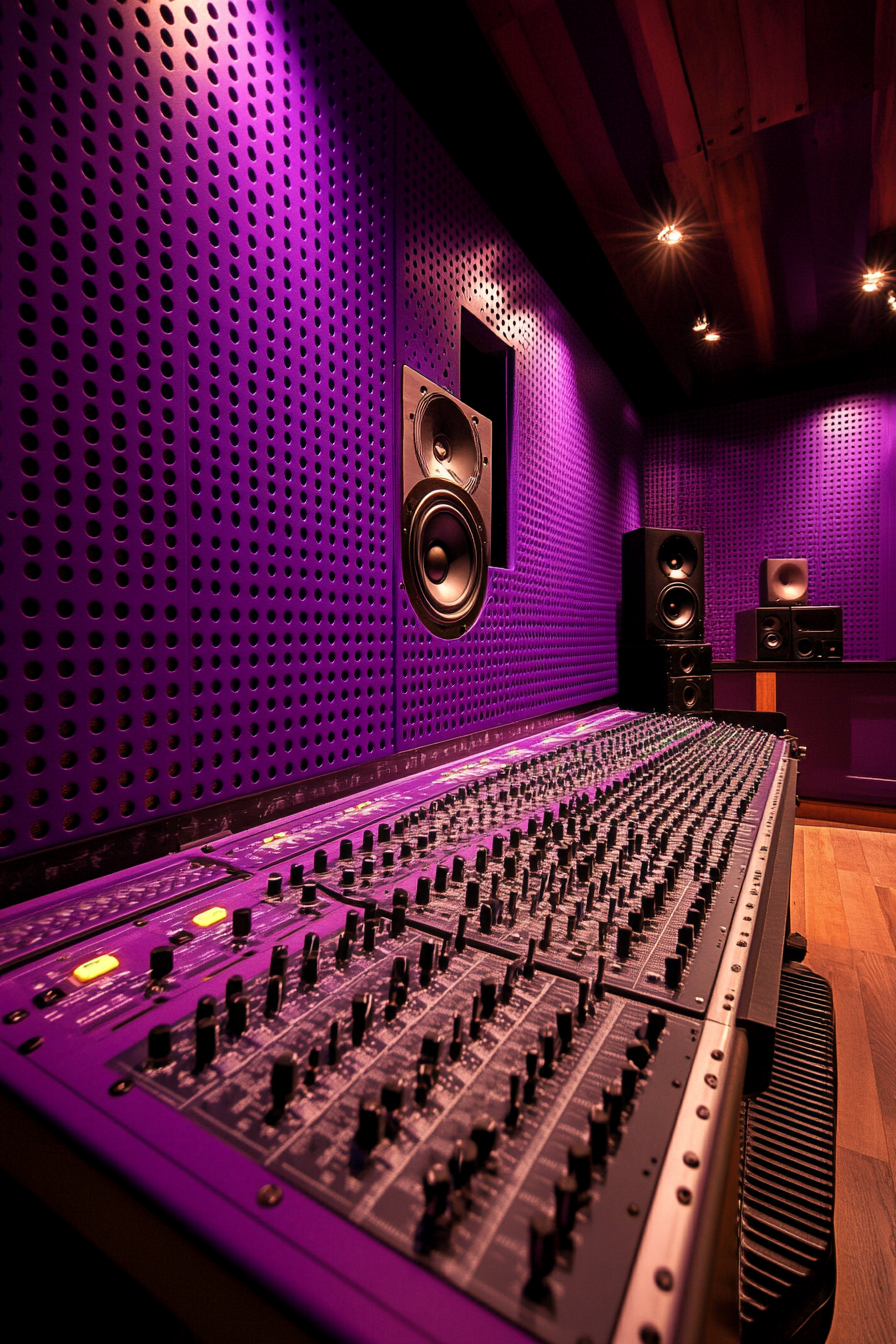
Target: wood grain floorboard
{"type": "Point", "coordinates": [880, 854]}
{"type": "Point", "coordinates": [865, 1230]}
{"type": "Point", "coordinates": [868, 927]}
{"type": "Point", "coordinates": [825, 916]}
{"type": "Point", "coordinates": [877, 982]}
{"type": "Point", "coordinates": [844, 891]}
{"type": "Point", "coordinates": [887, 899]}
{"type": "Point", "coordinates": [798, 885]}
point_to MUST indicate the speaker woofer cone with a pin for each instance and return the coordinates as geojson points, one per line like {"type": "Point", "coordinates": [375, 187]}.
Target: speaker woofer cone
{"type": "Point", "coordinates": [805, 647]}
{"type": "Point", "coordinates": [444, 557]}
{"type": "Point", "coordinates": [677, 606]}
{"type": "Point", "coordinates": [678, 557]}
{"type": "Point", "coordinates": [690, 694]}
{"type": "Point", "coordinates": [446, 442]}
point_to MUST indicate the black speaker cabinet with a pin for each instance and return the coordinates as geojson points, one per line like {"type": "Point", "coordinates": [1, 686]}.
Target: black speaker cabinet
{"type": "Point", "coordinates": [662, 585]}
{"type": "Point", "coordinates": [783, 582]}
{"type": "Point", "coordinates": [789, 634]}
{"type": "Point", "coordinates": [446, 505]}
{"type": "Point", "coordinates": [816, 633]}
{"type": "Point", "coordinates": [672, 677]}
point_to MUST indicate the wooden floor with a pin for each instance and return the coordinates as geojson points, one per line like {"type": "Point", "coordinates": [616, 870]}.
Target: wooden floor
{"type": "Point", "coordinates": [843, 898]}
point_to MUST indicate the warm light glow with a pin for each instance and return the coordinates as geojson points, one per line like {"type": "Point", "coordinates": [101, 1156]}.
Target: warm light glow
{"type": "Point", "coordinates": [712, 336]}
{"type": "Point", "coordinates": [93, 969]}
{"type": "Point", "coordinates": [206, 918]}
{"type": "Point", "coordinates": [871, 281]}
{"type": "Point", "coordinates": [701, 323]}
{"type": "Point", "coordinates": [891, 300]}
{"type": "Point", "coordinates": [669, 234]}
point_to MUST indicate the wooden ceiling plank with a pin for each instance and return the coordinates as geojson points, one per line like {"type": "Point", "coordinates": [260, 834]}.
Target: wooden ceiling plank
{"type": "Point", "coordinates": [600, 191]}
{"type": "Point", "coordinates": [552, 47]}
{"type": "Point", "coordinates": [882, 217]}
{"type": "Point", "coordinates": [885, 44]}
{"type": "Point", "coordinates": [740, 214]}
{"type": "Point", "coordinates": [712, 51]}
{"type": "Point", "coordinates": [774, 39]}
{"type": "Point", "coordinates": [652, 39]}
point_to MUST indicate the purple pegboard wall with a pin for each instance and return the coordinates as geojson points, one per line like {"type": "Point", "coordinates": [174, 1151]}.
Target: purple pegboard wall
{"type": "Point", "coordinates": [547, 634]}
{"type": "Point", "coordinates": [200, 305]}
{"type": "Point", "coordinates": [804, 474]}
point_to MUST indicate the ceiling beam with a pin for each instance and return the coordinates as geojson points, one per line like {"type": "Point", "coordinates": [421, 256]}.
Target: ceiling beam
{"type": "Point", "coordinates": [774, 42]}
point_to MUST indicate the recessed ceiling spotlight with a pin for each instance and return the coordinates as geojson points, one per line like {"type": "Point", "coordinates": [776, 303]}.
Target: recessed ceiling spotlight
{"type": "Point", "coordinates": [891, 301]}
{"type": "Point", "coordinates": [669, 234]}
{"type": "Point", "coordinates": [701, 323]}
{"type": "Point", "coordinates": [871, 281]}
{"type": "Point", "coordinates": [712, 336]}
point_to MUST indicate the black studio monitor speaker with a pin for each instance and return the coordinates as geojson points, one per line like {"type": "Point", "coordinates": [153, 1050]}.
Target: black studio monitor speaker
{"type": "Point", "coordinates": [675, 678]}
{"type": "Point", "coordinates": [783, 582]}
{"type": "Point", "coordinates": [446, 506]}
{"type": "Point", "coordinates": [776, 634]}
{"type": "Point", "coordinates": [662, 585]}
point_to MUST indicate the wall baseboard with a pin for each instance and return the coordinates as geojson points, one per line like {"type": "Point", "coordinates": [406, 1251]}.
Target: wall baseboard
{"type": "Point", "coordinates": [821, 812]}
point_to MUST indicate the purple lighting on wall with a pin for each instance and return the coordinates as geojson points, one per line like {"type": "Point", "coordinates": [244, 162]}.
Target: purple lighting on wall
{"type": "Point", "coordinates": [227, 235]}
{"type": "Point", "coordinates": [809, 474]}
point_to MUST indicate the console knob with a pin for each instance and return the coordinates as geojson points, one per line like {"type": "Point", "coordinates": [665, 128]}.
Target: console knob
{"type": "Point", "coordinates": [206, 1041]}
{"type": "Point", "coordinates": [383, 833]}
{"type": "Point", "coordinates": [279, 960]}
{"type": "Point", "coordinates": [161, 961]}
{"type": "Point", "coordinates": [362, 1012]}
{"type": "Point", "coordinates": [471, 900]}
{"type": "Point", "coordinates": [485, 1135]}
{"type": "Point", "coordinates": [237, 1014]}
{"type": "Point", "coordinates": [457, 868]}
{"type": "Point", "coordinates": [686, 935]}
{"type": "Point", "coordinates": [284, 1077]}
{"type": "Point", "coordinates": [345, 848]}
{"type": "Point", "coordinates": [273, 996]}
{"type": "Point", "coordinates": [423, 890]}
{"type": "Point", "coordinates": [542, 1247]}
{"type": "Point", "coordinates": [488, 996]}
{"type": "Point", "coordinates": [485, 918]}
{"type": "Point", "coordinates": [275, 884]}
{"type": "Point", "coordinates": [579, 1164]}
{"type": "Point", "coordinates": [441, 883]}
{"type": "Point", "coordinates": [206, 1007]}
{"type": "Point", "coordinates": [656, 1025]}
{"type": "Point", "coordinates": [242, 922]}
{"type": "Point", "coordinates": [565, 1028]}
{"type": "Point", "coordinates": [436, 1190]}
{"type": "Point", "coordinates": [623, 941]}
{"type": "Point", "coordinates": [296, 874]}
{"type": "Point", "coordinates": [462, 1162]}
{"type": "Point", "coordinates": [320, 860]}
{"type": "Point", "coordinates": [566, 1198]}
{"type": "Point", "coordinates": [370, 1124]}
{"type": "Point", "coordinates": [599, 1133]}
{"type": "Point", "coordinates": [638, 1052]}
{"type": "Point", "coordinates": [158, 1045]}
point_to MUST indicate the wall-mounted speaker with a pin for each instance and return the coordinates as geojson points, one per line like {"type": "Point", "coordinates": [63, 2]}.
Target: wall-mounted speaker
{"type": "Point", "coordinates": [446, 506]}
{"type": "Point", "coordinates": [783, 582]}
{"type": "Point", "coordinates": [673, 677]}
{"type": "Point", "coordinates": [662, 585]}
{"type": "Point", "coordinates": [789, 634]}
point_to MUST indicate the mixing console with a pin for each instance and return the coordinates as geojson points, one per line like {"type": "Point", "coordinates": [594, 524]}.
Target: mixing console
{"type": "Point", "coordinates": [460, 1014]}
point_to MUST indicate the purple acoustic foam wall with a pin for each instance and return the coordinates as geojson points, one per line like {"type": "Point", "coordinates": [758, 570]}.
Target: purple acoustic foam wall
{"type": "Point", "coordinates": [547, 634]}
{"type": "Point", "coordinates": [200, 420]}
{"type": "Point", "coordinates": [808, 474]}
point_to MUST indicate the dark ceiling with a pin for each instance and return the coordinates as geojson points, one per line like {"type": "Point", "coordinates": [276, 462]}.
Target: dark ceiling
{"type": "Point", "coordinates": [765, 128]}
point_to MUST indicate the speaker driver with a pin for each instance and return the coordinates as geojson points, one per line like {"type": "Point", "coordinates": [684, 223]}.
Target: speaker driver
{"type": "Point", "coordinates": [805, 647]}
{"type": "Point", "coordinates": [677, 606]}
{"type": "Point", "coordinates": [447, 442]}
{"type": "Point", "coordinates": [678, 557]}
{"type": "Point", "coordinates": [444, 557]}
{"type": "Point", "coordinates": [690, 694]}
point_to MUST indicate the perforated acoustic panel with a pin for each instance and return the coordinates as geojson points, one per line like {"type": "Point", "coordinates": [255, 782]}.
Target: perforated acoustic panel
{"type": "Point", "coordinates": [196, 390]}
{"type": "Point", "coordinates": [547, 634]}
{"type": "Point", "coordinates": [798, 475]}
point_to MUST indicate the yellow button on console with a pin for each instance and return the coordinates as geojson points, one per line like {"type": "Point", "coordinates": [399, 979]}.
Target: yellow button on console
{"type": "Point", "coordinates": [206, 918]}
{"type": "Point", "coordinates": [92, 970]}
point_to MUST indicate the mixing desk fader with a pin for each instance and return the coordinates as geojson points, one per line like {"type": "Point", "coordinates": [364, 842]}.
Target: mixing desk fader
{"type": "Point", "coordinates": [443, 1043]}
